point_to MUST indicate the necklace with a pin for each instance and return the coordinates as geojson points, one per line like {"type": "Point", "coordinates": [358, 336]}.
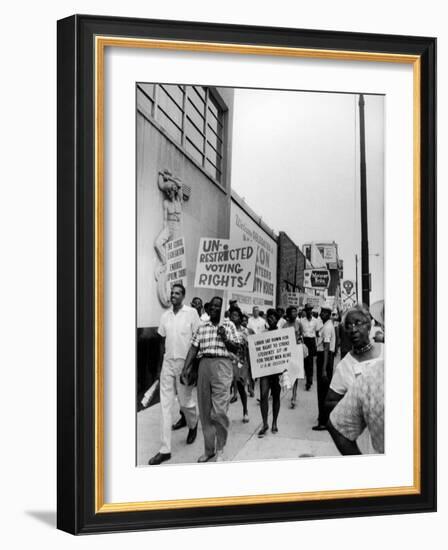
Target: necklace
{"type": "Point", "coordinates": [364, 349]}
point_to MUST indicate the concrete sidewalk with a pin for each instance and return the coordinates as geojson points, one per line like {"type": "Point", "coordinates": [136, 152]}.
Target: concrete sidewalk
{"type": "Point", "coordinates": [294, 439]}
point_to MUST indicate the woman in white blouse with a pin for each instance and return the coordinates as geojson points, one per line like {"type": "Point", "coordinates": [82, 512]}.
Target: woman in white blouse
{"type": "Point", "coordinates": [364, 352]}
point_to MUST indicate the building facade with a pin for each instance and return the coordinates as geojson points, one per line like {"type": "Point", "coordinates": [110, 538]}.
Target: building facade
{"type": "Point", "coordinates": [183, 193]}
{"type": "Point", "coordinates": [291, 266]}
{"type": "Point", "coordinates": [247, 226]}
{"type": "Point", "coordinates": [325, 254]}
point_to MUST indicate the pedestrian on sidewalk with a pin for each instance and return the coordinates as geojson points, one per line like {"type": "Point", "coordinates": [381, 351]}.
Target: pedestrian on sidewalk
{"type": "Point", "coordinates": [293, 321]}
{"type": "Point", "coordinates": [309, 329]}
{"type": "Point", "coordinates": [363, 354]}
{"type": "Point", "coordinates": [361, 407]}
{"type": "Point", "coordinates": [250, 380]}
{"type": "Point", "coordinates": [240, 361]}
{"type": "Point", "coordinates": [256, 323]}
{"type": "Point", "coordinates": [196, 304]}
{"type": "Point", "coordinates": [212, 344]}
{"type": "Point", "coordinates": [326, 342]}
{"type": "Point", "coordinates": [270, 383]}
{"type": "Point", "coordinates": [176, 328]}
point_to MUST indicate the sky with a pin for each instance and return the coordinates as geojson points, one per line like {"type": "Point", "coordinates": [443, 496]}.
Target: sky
{"type": "Point", "coordinates": [295, 160]}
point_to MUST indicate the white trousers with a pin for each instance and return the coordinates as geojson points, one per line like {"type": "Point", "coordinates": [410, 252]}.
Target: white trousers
{"type": "Point", "coordinates": [170, 386]}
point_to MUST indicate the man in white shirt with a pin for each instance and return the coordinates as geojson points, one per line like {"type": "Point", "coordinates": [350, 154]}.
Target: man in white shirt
{"type": "Point", "coordinates": [326, 344]}
{"type": "Point", "coordinates": [256, 323]}
{"type": "Point", "coordinates": [310, 327]}
{"type": "Point", "coordinates": [177, 327]}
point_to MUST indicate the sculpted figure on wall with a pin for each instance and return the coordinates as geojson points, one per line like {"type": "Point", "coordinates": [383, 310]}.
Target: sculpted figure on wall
{"type": "Point", "coordinates": [171, 187]}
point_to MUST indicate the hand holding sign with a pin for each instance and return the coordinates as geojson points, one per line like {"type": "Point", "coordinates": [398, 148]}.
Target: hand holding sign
{"type": "Point", "coordinates": [274, 352]}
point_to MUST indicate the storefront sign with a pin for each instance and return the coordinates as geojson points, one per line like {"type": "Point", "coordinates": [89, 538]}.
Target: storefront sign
{"type": "Point", "coordinates": [316, 278]}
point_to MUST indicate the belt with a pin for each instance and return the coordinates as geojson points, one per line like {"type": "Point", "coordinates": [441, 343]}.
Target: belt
{"type": "Point", "coordinates": [208, 356]}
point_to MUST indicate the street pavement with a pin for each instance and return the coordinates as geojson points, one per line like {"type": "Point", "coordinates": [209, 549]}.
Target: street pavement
{"type": "Point", "coordinates": [295, 438]}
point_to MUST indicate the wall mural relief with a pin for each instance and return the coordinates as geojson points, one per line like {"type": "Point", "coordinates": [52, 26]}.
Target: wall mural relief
{"type": "Point", "coordinates": [169, 244]}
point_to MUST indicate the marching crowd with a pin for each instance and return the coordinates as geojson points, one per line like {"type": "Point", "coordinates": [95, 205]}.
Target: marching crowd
{"type": "Point", "coordinates": [201, 348]}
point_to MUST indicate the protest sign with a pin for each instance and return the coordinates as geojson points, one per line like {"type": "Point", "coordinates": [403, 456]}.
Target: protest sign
{"type": "Point", "coordinates": [316, 278]}
{"type": "Point", "coordinates": [312, 300]}
{"type": "Point", "coordinates": [245, 229]}
{"type": "Point", "coordinates": [275, 351]}
{"type": "Point", "coordinates": [296, 299]}
{"type": "Point", "coordinates": [223, 264]}
{"type": "Point", "coordinates": [176, 262]}
{"type": "Point", "coordinates": [348, 294]}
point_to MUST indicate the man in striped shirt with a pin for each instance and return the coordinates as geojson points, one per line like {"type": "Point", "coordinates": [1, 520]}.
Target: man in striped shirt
{"type": "Point", "coordinates": [211, 344]}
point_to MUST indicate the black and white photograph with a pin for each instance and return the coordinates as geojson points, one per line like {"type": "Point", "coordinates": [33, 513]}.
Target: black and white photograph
{"type": "Point", "coordinates": [260, 326]}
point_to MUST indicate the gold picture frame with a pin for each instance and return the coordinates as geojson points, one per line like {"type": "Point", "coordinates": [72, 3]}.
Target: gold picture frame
{"type": "Point", "coordinates": [81, 35]}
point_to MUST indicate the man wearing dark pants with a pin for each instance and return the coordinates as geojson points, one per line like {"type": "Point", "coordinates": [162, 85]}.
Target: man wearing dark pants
{"type": "Point", "coordinates": [326, 342]}
{"type": "Point", "coordinates": [211, 344]}
{"type": "Point", "coordinates": [309, 328]}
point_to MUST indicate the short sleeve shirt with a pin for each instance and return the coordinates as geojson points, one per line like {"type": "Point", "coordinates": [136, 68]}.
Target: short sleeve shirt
{"type": "Point", "coordinates": [309, 327]}
{"type": "Point", "coordinates": [295, 325]}
{"type": "Point", "coordinates": [257, 324]}
{"type": "Point", "coordinates": [363, 406]}
{"type": "Point", "coordinates": [178, 329]}
{"type": "Point", "coordinates": [326, 335]}
{"type": "Point", "coordinates": [210, 343]}
{"type": "Point", "coordinates": [348, 369]}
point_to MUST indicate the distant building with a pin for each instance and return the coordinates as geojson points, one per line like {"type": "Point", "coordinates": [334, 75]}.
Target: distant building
{"type": "Point", "coordinates": [325, 254]}
{"type": "Point", "coordinates": [291, 265]}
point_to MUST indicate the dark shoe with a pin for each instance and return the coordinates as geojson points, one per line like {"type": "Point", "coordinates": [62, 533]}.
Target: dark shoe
{"type": "Point", "coordinates": [205, 458]}
{"type": "Point", "coordinates": [263, 430]}
{"type": "Point", "coordinates": [274, 429]}
{"type": "Point", "coordinates": [307, 387]}
{"type": "Point", "coordinates": [181, 423]}
{"type": "Point", "coordinates": [159, 458]}
{"type": "Point", "coordinates": [233, 399]}
{"type": "Point", "coordinates": [251, 392]}
{"type": "Point", "coordinates": [192, 433]}
{"type": "Point", "coordinates": [319, 428]}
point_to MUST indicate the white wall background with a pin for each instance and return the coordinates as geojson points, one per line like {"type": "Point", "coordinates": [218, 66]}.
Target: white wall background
{"type": "Point", "coordinates": [28, 270]}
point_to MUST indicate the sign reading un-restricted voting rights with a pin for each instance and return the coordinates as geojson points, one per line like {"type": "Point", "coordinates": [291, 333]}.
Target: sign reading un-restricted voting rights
{"type": "Point", "coordinates": [225, 265]}
{"type": "Point", "coordinates": [275, 351]}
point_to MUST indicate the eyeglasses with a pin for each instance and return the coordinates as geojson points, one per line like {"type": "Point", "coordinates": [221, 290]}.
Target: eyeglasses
{"type": "Point", "coordinates": [357, 324]}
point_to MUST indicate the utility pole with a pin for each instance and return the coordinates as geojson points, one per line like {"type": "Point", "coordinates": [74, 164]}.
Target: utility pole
{"type": "Point", "coordinates": [365, 274]}
{"type": "Point", "coordinates": [357, 295]}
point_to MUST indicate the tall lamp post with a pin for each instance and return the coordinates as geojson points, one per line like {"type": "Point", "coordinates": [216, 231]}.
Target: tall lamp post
{"type": "Point", "coordinates": [356, 271]}
{"type": "Point", "coordinates": [365, 274]}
